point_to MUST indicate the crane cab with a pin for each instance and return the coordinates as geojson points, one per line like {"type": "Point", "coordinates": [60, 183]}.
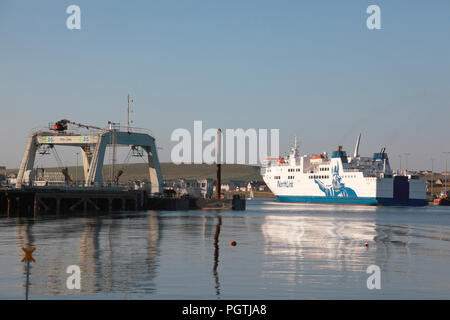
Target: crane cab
{"type": "Point", "coordinates": [59, 126]}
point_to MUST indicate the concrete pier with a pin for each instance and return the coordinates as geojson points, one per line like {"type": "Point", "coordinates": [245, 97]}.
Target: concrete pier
{"type": "Point", "coordinates": [60, 201]}
{"type": "Point", "coordinates": [34, 201]}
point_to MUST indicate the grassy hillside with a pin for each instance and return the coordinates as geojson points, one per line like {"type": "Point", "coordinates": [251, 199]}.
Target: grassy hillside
{"type": "Point", "coordinates": [172, 171]}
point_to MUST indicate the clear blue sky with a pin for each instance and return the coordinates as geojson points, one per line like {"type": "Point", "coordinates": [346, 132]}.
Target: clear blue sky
{"type": "Point", "coordinates": [309, 68]}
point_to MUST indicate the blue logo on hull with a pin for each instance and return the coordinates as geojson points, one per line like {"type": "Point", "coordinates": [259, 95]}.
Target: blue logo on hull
{"type": "Point", "coordinates": [337, 187]}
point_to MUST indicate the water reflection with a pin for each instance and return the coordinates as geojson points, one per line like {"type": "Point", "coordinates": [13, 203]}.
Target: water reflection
{"type": "Point", "coordinates": [285, 251]}
{"type": "Point", "coordinates": [216, 255]}
{"type": "Point", "coordinates": [115, 254]}
{"type": "Point", "coordinates": [25, 239]}
{"type": "Point", "coordinates": [328, 242]}
{"type": "Point", "coordinates": [319, 244]}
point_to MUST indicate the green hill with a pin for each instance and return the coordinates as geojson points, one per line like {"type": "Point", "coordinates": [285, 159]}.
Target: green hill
{"type": "Point", "coordinates": [172, 171]}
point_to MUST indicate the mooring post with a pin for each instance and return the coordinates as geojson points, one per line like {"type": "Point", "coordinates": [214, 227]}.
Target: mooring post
{"type": "Point", "coordinates": [18, 206]}
{"type": "Point", "coordinates": [9, 206]}
{"type": "Point", "coordinates": [58, 205]}
{"type": "Point", "coordinates": [35, 205]}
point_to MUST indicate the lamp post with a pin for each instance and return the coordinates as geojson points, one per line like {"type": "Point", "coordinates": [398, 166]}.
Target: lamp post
{"type": "Point", "coordinates": [432, 176]}
{"type": "Point", "coordinates": [446, 160]}
{"type": "Point", "coordinates": [400, 156]}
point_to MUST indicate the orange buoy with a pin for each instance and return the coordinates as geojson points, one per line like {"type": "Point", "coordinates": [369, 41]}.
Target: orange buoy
{"type": "Point", "coordinates": [233, 243]}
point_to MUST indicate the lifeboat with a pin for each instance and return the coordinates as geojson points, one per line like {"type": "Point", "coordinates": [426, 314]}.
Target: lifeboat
{"type": "Point", "coordinates": [316, 157]}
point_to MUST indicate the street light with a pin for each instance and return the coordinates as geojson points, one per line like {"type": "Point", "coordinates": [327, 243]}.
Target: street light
{"type": "Point", "coordinates": [400, 156]}
{"type": "Point", "coordinates": [446, 159]}
{"type": "Point", "coordinates": [432, 175]}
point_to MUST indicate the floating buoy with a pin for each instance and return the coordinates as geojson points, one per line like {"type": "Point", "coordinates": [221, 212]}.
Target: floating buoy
{"type": "Point", "coordinates": [367, 244]}
{"type": "Point", "coordinates": [232, 243]}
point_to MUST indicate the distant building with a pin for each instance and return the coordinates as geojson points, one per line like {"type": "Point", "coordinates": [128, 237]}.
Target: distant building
{"type": "Point", "coordinates": [252, 186]}
{"type": "Point", "coordinates": [43, 177]}
{"type": "Point", "coordinates": [11, 179]}
{"type": "Point", "coordinates": [141, 185]}
{"type": "Point", "coordinates": [195, 188]}
{"type": "Point", "coordinates": [262, 187]}
{"type": "Point", "coordinates": [225, 187]}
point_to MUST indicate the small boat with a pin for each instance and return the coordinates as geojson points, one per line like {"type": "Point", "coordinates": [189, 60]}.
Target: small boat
{"type": "Point", "coordinates": [443, 199]}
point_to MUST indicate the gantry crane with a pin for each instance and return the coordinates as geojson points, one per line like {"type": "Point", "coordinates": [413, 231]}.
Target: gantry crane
{"type": "Point", "coordinates": [93, 146]}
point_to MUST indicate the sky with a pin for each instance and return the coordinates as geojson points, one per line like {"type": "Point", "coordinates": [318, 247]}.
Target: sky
{"type": "Point", "coordinates": [311, 69]}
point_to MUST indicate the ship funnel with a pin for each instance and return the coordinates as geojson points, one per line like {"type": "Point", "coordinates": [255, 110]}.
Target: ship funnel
{"type": "Point", "coordinates": [356, 153]}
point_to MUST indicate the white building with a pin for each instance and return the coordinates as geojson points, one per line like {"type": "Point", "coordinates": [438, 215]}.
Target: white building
{"type": "Point", "coordinates": [202, 188]}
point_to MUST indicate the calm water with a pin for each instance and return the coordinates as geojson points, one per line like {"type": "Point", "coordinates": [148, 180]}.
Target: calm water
{"type": "Point", "coordinates": [283, 251]}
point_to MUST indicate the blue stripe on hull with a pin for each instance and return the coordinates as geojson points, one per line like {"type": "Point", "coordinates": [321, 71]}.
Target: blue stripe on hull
{"type": "Point", "coordinates": [409, 203]}
{"type": "Point", "coordinates": [359, 200]}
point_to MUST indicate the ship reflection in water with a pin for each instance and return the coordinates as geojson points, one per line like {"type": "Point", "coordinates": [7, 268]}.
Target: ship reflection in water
{"type": "Point", "coordinates": [283, 251]}
{"type": "Point", "coordinates": [324, 249]}
{"type": "Point", "coordinates": [312, 248]}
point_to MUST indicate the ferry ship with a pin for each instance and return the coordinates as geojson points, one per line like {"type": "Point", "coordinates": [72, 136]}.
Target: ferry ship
{"type": "Point", "coordinates": [341, 179]}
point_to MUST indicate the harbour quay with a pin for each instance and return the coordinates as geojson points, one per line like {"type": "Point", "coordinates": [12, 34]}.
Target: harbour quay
{"type": "Point", "coordinates": [60, 201]}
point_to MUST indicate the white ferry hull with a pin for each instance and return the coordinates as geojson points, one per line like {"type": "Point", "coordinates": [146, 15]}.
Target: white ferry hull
{"type": "Point", "coordinates": [343, 180]}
